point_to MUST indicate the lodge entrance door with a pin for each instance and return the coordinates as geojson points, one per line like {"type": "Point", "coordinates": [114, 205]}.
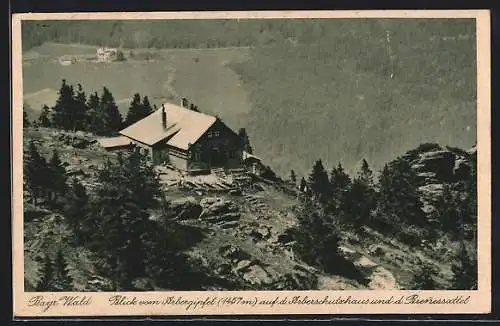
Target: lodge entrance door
{"type": "Point", "coordinates": [218, 156]}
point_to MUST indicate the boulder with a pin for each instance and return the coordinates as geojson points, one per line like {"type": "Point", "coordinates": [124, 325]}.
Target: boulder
{"type": "Point", "coordinates": [80, 143]}
{"type": "Point", "coordinates": [186, 208]}
{"type": "Point", "coordinates": [440, 162]}
{"type": "Point", "coordinates": [217, 206]}
{"type": "Point", "coordinates": [257, 275]}
{"type": "Point", "coordinates": [242, 265]}
{"type": "Point", "coordinates": [233, 253]}
{"type": "Point", "coordinates": [260, 233]}
{"type": "Point", "coordinates": [432, 190]}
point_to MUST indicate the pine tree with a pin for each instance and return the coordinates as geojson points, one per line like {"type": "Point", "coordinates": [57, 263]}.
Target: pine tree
{"type": "Point", "coordinates": [57, 176]}
{"type": "Point", "coordinates": [339, 180]}
{"type": "Point", "coordinates": [242, 133]}
{"type": "Point", "coordinates": [63, 110]}
{"type": "Point", "coordinates": [128, 188]}
{"type": "Point", "coordinates": [80, 109]}
{"type": "Point", "coordinates": [44, 119]}
{"type": "Point", "coordinates": [147, 106]}
{"type": "Point", "coordinates": [76, 209]}
{"type": "Point", "coordinates": [398, 199]}
{"type": "Point", "coordinates": [47, 278]}
{"type": "Point", "coordinates": [339, 186]}
{"type": "Point", "coordinates": [359, 200]}
{"type": "Point", "coordinates": [318, 241]}
{"type": "Point", "coordinates": [111, 115]}
{"type": "Point", "coordinates": [61, 280]}
{"type": "Point", "coordinates": [318, 181]}
{"type": "Point", "coordinates": [358, 203]}
{"type": "Point", "coordinates": [95, 120]}
{"type": "Point", "coordinates": [365, 174]}
{"type": "Point", "coordinates": [464, 271]}
{"type": "Point", "coordinates": [135, 111]}
{"type": "Point", "coordinates": [303, 185]}
{"type": "Point", "coordinates": [293, 178]}
{"type": "Point", "coordinates": [35, 172]}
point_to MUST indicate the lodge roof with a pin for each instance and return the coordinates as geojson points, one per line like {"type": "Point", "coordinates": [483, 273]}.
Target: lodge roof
{"type": "Point", "coordinates": [184, 127]}
{"type": "Point", "coordinates": [114, 142]}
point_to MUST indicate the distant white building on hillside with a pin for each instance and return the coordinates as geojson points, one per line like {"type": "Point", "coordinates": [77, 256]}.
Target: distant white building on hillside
{"type": "Point", "coordinates": [106, 54]}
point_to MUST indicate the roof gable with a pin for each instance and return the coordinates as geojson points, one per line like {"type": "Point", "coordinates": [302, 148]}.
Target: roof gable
{"type": "Point", "coordinates": [184, 127]}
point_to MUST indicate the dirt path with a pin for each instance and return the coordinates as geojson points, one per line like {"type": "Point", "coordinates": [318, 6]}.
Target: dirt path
{"type": "Point", "coordinates": [170, 80]}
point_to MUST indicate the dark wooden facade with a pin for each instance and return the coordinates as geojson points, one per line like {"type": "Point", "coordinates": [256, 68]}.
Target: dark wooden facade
{"type": "Point", "coordinates": [219, 146]}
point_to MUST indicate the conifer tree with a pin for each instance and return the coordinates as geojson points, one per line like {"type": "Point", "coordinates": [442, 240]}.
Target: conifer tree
{"type": "Point", "coordinates": [318, 181]}
{"type": "Point", "coordinates": [76, 209]}
{"type": "Point", "coordinates": [293, 178]}
{"type": "Point", "coordinates": [365, 174]}
{"type": "Point", "coordinates": [128, 188]}
{"type": "Point", "coordinates": [57, 176]}
{"type": "Point", "coordinates": [95, 116]}
{"type": "Point", "coordinates": [44, 118]}
{"type": "Point", "coordinates": [61, 280]}
{"type": "Point", "coordinates": [338, 186]}
{"type": "Point", "coordinates": [242, 133]}
{"type": "Point", "coordinates": [63, 116]}
{"type": "Point", "coordinates": [359, 200]}
{"type": "Point", "coordinates": [398, 199]}
{"type": "Point", "coordinates": [339, 180]}
{"type": "Point", "coordinates": [135, 111]}
{"type": "Point", "coordinates": [464, 271]}
{"type": "Point", "coordinates": [318, 242]}
{"type": "Point", "coordinates": [80, 109]}
{"type": "Point", "coordinates": [35, 172]}
{"type": "Point", "coordinates": [111, 115]}
{"type": "Point", "coordinates": [303, 185]}
{"type": "Point", "coordinates": [47, 278]}
{"type": "Point", "coordinates": [146, 106]}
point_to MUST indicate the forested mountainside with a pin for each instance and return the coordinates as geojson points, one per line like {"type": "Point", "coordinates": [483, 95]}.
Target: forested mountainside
{"type": "Point", "coordinates": [226, 32]}
{"type": "Point", "coordinates": [370, 88]}
{"type": "Point", "coordinates": [98, 221]}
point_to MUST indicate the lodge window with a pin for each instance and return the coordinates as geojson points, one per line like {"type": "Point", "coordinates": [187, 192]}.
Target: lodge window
{"type": "Point", "coordinates": [217, 133]}
{"type": "Point", "coordinates": [209, 134]}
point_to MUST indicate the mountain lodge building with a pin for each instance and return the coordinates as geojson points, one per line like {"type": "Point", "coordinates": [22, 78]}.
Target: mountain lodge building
{"type": "Point", "coordinates": [187, 139]}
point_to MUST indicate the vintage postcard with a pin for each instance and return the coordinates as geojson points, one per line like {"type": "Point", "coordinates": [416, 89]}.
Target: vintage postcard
{"type": "Point", "coordinates": [218, 163]}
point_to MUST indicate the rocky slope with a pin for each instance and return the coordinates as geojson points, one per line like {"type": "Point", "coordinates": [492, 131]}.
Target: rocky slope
{"type": "Point", "coordinates": [242, 238]}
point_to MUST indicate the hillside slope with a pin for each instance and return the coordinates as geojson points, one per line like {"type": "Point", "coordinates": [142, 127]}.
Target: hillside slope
{"type": "Point", "coordinates": [341, 90]}
{"type": "Point", "coordinates": [241, 239]}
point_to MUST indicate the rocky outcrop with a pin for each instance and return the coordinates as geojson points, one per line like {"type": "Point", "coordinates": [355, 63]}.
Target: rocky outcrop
{"type": "Point", "coordinates": [220, 211]}
{"type": "Point", "coordinates": [77, 140]}
{"type": "Point", "coordinates": [185, 208]}
{"type": "Point", "coordinates": [437, 164]}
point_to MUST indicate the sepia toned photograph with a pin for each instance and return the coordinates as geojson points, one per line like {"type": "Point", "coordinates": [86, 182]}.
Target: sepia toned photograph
{"type": "Point", "coordinates": [249, 154]}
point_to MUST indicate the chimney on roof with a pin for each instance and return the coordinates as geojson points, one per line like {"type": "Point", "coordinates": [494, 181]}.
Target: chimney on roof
{"type": "Point", "coordinates": [184, 103]}
{"type": "Point", "coordinates": [163, 117]}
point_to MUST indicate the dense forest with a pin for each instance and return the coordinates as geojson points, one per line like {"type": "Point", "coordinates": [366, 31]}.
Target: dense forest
{"type": "Point", "coordinates": [220, 33]}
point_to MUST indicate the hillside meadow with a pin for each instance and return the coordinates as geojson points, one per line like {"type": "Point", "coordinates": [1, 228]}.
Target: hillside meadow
{"type": "Point", "coordinates": [340, 90]}
{"type": "Point", "coordinates": [201, 75]}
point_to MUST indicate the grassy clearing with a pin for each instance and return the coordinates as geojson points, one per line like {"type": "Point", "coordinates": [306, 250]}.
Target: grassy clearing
{"type": "Point", "coordinates": [203, 76]}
